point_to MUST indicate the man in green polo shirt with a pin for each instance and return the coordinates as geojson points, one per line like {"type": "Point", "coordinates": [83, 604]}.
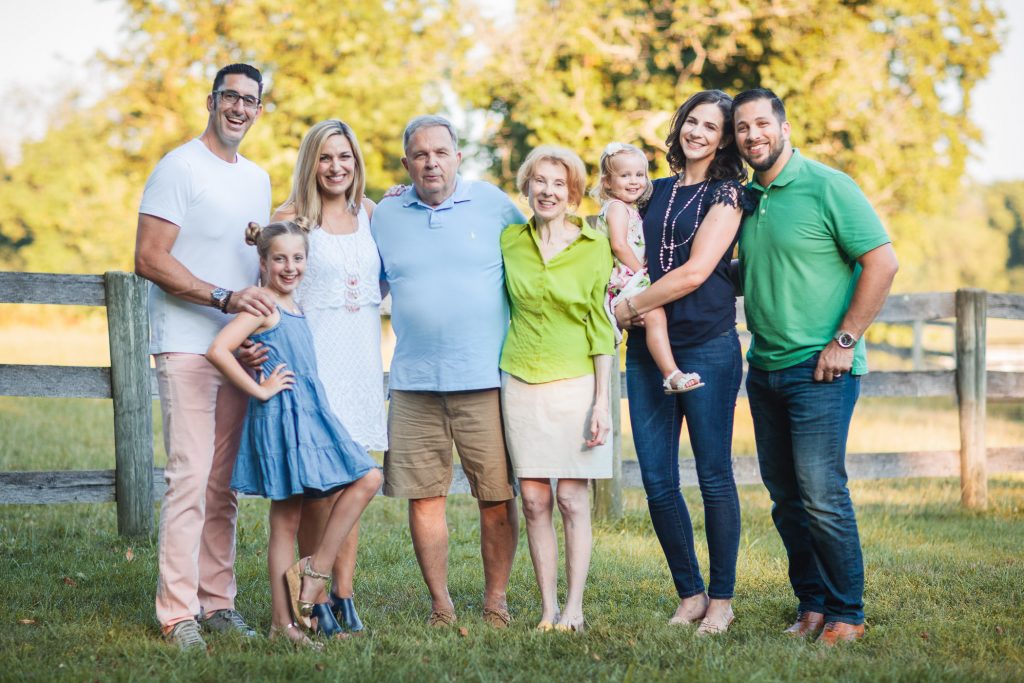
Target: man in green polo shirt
{"type": "Point", "coordinates": [815, 265]}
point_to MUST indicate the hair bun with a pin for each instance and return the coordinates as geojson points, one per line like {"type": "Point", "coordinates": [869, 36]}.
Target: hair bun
{"type": "Point", "coordinates": [305, 225]}
{"type": "Point", "coordinates": [252, 233]}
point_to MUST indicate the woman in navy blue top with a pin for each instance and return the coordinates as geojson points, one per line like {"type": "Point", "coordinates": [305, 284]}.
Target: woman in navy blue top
{"type": "Point", "coordinates": [690, 226]}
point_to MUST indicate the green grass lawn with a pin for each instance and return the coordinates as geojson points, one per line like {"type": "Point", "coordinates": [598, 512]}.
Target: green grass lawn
{"type": "Point", "coordinates": [945, 590]}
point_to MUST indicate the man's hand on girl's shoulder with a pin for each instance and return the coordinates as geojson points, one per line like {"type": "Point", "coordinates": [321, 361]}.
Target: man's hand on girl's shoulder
{"type": "Point", "coordinates": [254, 300]}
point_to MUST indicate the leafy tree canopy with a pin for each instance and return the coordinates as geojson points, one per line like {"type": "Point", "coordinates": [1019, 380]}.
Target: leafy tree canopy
{"type": "Point", "coordinates": [878, 88]}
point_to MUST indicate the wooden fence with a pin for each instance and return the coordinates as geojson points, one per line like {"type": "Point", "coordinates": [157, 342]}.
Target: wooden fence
{"type": "Point", "coordinates": [126, 381]}
{"type": "Point", "coordinates": [134, 483]}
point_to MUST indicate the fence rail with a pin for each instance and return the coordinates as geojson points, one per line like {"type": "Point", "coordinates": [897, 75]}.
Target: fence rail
{"type": "Point", "coordinates": [135, 483]}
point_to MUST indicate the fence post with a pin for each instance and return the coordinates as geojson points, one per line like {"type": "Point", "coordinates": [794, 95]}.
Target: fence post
{"type": "Point", "coordinates": [608, 492]}
{"type": "Point", "coordinates": [917, 350]}
{"type": "Point", "coordinates": [128, 332]}
{"type": "Point", "coordinates": [971, 314]}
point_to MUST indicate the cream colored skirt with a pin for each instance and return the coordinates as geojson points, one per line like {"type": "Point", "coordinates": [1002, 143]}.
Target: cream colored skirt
{"type": "Point", "coordinates": [547, 426]}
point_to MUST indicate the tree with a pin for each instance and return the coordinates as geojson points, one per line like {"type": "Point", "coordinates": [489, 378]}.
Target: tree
{"type": "Point", "coordinates": [68, 206]}
{"type": "Point", "coordinates": [1005, 210]}
{"type": "Point", "coordinates": [878, 89]}
{"type": "Point", "coordinates": [71, 203]}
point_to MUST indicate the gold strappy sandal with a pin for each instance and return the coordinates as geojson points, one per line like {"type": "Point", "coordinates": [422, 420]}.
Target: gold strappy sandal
{"type": "Point", "coordinates": [302, 610]}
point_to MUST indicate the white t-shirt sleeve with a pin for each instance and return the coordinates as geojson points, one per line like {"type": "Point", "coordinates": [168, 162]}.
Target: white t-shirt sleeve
{"type": "Point", "coordinates": [168, 192]}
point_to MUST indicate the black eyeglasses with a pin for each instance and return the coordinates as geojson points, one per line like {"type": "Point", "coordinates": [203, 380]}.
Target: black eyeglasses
{"type": "Point", "coordinates": [230, 97]}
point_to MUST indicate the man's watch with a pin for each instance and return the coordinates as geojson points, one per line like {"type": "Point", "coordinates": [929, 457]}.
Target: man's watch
{"type": "Point", "coordinates": [845, 340]}
{"type": "Point", "coordinates": [219, 298]}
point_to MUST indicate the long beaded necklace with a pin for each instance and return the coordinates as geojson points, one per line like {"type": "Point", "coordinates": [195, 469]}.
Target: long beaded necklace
{"type": "Point", "coordinates": [667, 250]}
{"type": "Point", "coordinates": [348, 248]}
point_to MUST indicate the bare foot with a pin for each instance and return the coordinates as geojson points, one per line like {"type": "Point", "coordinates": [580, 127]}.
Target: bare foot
{"type": "Point", "coordinates": [294, 634]}
{"type": "Point", "coordinates": [691, 610]}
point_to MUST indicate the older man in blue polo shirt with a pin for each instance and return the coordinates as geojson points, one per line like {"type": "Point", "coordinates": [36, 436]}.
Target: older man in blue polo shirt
{"type": "Point", "coordinates": [439, 243]}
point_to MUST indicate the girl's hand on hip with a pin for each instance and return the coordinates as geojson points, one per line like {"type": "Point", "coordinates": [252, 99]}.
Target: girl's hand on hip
{"type": "Point", "coordinates": [600, 426]}
{"type": "Point", "coordinates": [276, 382]}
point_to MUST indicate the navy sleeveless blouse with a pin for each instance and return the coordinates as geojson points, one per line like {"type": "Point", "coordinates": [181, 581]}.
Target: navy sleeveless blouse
{"type": "Point", "coordinates": [710, 310]}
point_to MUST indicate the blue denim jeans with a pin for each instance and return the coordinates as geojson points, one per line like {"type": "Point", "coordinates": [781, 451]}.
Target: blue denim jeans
{"type": "Point", "coordinates": [801, 427]}
{"type": "Point", "coordinates": [657, 420]}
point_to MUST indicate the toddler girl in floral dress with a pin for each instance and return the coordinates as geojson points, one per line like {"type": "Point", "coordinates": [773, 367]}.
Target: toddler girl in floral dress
{"type": "Point", "coordinates": [623, 184]}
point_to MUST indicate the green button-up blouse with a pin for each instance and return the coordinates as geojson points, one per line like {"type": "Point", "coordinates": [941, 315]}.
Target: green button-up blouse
{"type": "Point", "coordinates": [557, 307]}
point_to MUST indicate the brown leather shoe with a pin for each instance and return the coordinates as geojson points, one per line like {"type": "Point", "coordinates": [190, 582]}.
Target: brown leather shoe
{"type": "Point", "coordinates": [441, 619]}
{"type": "Point", "coordinates": [807, 624]}
{"type": "Point", "coordinates": [838, 632]}
{"type": "Point", "coordinates": [497, 617]}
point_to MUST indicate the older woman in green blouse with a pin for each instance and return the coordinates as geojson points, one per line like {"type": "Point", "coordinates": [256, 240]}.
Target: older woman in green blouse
{"type": "Point", "coordinates": [556, 365]}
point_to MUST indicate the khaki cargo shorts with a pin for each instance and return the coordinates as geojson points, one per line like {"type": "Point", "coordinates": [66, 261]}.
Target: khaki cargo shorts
{"type": "Point", "coordinates": [423, 426]}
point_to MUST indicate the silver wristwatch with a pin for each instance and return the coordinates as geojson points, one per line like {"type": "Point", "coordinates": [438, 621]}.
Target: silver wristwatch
{"type": "Point", "coordinates": [845, 339]}
{"type": "Point", "coordinates": [219, 298]}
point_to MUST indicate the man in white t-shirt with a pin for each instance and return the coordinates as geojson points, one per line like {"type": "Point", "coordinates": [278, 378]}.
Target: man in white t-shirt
{"type": "Point", "coordinates": [190, 244]}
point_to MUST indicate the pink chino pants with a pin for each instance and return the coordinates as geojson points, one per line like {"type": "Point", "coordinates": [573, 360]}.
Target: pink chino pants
{"type": "Point", "coordinates": [202, 419]}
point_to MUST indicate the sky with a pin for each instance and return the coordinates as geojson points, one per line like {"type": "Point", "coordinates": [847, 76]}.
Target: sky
{"type": "Point", "coordinates": [45, 46]}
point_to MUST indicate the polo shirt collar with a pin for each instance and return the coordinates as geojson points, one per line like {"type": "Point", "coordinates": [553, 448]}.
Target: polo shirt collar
{"type": "Point", "coordinates": [462, 193]}
{"type": "Point", "coordinates": [788, 173]}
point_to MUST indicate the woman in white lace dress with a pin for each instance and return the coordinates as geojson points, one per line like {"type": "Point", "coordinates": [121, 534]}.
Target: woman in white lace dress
{"type": "Point", "coordinates": [340, 296]}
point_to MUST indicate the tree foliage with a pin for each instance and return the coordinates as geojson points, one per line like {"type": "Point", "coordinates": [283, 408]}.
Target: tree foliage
{"type": "Point", "coordinates": [1004, 207]}
{"type": "Point", "coordinates": [878, 88]}
{"type": "Point", "coordinates": [71, 203]}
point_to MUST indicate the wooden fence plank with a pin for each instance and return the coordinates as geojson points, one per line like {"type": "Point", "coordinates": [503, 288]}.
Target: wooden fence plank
{"type": "Point", "coordinates": [909, 384]}
{"type": "Point", "coordinates": [1007, 306]}
{"type": "Point", "coordinates": [51, 288]}
{"type": "Point", "coordinates": [919, 306]}
{"type": "Point", "coordinates": [97, 486]}
{"type": "Point", "coordinates": [128, 333]}
{"type": "Point", "coordinates": [80, 382]}
{"type": "Point", "coordinates": [1005, 385]}
{"type": "Point", "coordinates": [912, 384]}
{"type": "Point", "coordinates": [54, 380]}
{"type": "Point", "coordinates": [900, 308]}
{"type": "Point", "coordinates": [70, 486]}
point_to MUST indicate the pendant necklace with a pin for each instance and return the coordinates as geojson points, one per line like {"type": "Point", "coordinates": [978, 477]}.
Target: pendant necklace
{"type": "Point", "coordinates": [349, 251]}
{"type": "Point", "coordinates": [667, 249]}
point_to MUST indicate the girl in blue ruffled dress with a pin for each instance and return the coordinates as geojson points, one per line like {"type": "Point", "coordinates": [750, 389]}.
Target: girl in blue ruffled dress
{"type": "Point", "coordinates": [292, 444]}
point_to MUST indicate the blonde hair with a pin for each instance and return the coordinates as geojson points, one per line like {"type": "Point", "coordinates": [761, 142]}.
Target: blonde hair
{"type": "Point", "coordinates": [612, 150]}
{"type": "Point", "coordinates": [575, 170]}
{"type": "Point", "coordinates": [262, 236]}
{"type": "Point", "coordinates": [304, 199]}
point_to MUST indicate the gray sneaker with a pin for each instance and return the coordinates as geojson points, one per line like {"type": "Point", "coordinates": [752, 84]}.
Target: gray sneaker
{"type": "Point", "coordinates": [228, 621]}
{"type": "Point", "coordinates": [185, 635]}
